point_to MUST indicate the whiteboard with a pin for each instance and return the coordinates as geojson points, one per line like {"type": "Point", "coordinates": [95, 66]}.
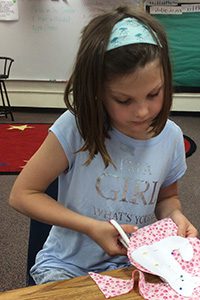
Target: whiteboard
{"type": "Point", "coordinates": [45, 39]}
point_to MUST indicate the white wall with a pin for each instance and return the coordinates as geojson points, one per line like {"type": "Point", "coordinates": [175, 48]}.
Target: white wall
{"type": "Point", "coordinates": [36, 94]}
{"type": "Point", "coordinates": [44, 40]}
{"type": "Point", "coordinates": [186, 102]}
{"type": "Point", "coordinates": [50, 95]}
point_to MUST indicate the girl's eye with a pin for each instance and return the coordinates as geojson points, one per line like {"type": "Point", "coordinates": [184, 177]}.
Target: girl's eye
{"type": "Point", "coordinates": [154, 95]}
{"type": "Point", "coordinates": [123, 102]}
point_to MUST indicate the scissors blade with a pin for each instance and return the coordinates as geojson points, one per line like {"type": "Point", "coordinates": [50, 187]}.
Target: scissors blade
{"type": "Point", "coordinates": [123, 236]}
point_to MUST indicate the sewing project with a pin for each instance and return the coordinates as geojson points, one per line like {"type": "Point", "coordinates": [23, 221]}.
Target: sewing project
{"type": "Point", "coordinates": [157, 249]}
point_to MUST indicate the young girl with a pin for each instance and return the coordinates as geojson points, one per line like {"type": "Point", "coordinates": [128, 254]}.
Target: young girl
{"type": "Point", "coordinates": [114, 150]}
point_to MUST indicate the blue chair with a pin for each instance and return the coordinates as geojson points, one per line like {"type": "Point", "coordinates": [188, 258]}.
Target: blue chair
{"type": "Point", "coordinates": [5, 65]}
{"type": "Point", "coordinates": [38, 234]}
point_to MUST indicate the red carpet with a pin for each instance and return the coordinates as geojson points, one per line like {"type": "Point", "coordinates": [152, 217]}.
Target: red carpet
{"type": "Point", "coordinates": [190, 146]}
{"type": "Point", "coordinates": [20, 141]}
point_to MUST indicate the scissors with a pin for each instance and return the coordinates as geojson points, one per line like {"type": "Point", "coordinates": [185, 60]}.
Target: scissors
{"type": "Point", "coordinates": [124, 239]}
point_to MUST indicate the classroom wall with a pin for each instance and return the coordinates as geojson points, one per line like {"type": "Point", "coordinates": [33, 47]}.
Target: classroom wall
{"type": "Point", "coordinates": [45, 38]}
{"type": "Point", "coordinates": [36, 94]}
{"type": "Point", "coordinates": [50, 95]}
{"type": "Point", "coordinates": [48, 31]}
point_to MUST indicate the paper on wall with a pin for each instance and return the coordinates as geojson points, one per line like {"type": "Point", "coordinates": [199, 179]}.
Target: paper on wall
{"type": "Point", "coordinates": [9, 10]}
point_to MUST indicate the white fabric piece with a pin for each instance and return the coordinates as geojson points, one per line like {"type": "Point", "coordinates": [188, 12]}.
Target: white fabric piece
{"type": "Point", "coordinates": [158, 259]}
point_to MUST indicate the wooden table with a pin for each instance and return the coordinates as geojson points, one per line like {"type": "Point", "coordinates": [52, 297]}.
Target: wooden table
{"type": "Point", "coordinates": [74, 289]}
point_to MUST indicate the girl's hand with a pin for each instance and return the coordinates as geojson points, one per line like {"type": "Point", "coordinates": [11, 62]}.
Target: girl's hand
{"type": "Point", "coordinates": [107, 237]}
{"type": "Point", "coordinates": [185, 228]}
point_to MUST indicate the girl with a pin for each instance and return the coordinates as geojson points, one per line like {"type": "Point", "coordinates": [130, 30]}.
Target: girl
{"type": "Point", "coordinates": [116, 153]}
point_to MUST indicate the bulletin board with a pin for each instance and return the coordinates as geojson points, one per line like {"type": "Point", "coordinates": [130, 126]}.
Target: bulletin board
{"type": "Point", "coordinates": [183, 31]}
{"type": "Point", "coordinates": [45, 38]}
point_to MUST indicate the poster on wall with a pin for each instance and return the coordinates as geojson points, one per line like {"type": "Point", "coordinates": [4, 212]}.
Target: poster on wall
{"type": "Point", "coordinates": [9, 10]}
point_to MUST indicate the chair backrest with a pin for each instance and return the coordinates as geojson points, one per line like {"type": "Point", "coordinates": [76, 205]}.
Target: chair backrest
{"type": "Point", "coordinates": [5, 65]}
{"type": "Point", "coordinates": [38, 234]}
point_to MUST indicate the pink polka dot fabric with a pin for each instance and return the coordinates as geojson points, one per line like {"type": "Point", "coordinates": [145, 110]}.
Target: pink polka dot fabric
{"type": "Point", "coordinates": [112, 287]}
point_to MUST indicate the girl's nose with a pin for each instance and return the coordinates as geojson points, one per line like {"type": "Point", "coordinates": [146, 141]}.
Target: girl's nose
{"type": "Point", "coordinates": [141, 111]}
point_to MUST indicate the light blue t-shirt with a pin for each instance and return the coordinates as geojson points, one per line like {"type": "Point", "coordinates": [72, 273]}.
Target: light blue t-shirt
{"type": "Point", "coordinates": [127, 193]}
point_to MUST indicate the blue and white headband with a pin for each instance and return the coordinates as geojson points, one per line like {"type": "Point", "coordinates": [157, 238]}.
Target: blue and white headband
{"type": "Point", "coordinates": [130, 31]}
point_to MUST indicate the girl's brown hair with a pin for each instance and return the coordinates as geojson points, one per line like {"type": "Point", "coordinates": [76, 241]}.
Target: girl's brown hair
{"type": "Point", "coordinates": [95, 66]}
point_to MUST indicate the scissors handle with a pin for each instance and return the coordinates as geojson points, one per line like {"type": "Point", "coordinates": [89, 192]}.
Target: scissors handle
{"type": "Point", "coordinates": [123, 236]}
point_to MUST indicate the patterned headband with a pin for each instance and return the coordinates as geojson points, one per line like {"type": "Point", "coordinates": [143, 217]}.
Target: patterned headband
{"type": "Point", "coordinates": [130, 31]}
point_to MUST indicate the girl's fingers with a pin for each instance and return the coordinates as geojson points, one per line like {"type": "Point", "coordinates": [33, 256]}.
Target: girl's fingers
{"type": "Point", "coordinates": [181, 230]}
{"type": "Point", "coordinates": [129, 228]}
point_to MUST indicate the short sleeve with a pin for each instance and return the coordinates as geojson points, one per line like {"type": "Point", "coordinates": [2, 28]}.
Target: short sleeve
{"type": "Point", "coordinates": [66, 131]}
{"type": "Point", "coordinates": [178, 165]}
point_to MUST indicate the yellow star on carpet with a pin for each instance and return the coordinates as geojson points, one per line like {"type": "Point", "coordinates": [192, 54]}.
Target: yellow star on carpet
{"type": "Point", "coordinates": [19, 127]}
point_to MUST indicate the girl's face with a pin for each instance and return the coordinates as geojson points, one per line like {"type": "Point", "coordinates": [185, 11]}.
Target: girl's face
{"type": "Point", "coordinates": [134, 100]}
